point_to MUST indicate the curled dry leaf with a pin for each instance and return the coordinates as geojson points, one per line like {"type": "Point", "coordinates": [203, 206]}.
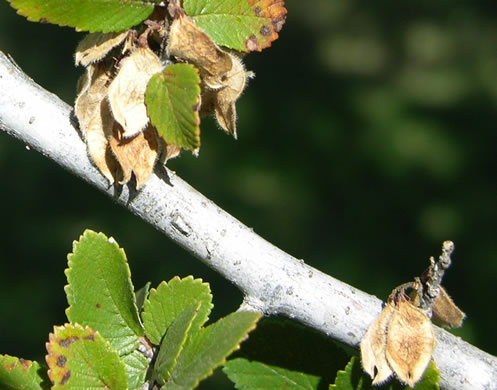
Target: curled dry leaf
{"type": "Point", "coordinates": [445, 311]}
{"type": "Point", "coordinates": [95, 119]}
{"type": "Point", "coordinates": [410, 342]}
{"type": "Point", "coordinates": [127, 91]}
{"type": "Point", "coordinates": [135, 155]}
{"type": "Point", "coordinates": [192, 44]}
{"type": "Point", "coordinates": [373, 346]}
{"type": "Point", "coordinates": [96, 46]}
{"type": "Point", "coordinates": [234, 83]}
{"type": "Point", "coordinates": [92, 89]}
{"type": "Point", "coordinates": [98, 133]}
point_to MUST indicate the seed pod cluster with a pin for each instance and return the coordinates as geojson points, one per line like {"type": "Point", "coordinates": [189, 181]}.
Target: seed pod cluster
{"type": "Point", "coordinates": [399, 341]}
{"type": "Point", "coordinates": [111, 104]}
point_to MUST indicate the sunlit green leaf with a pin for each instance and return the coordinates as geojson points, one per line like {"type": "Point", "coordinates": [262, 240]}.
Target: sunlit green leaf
{"type": "Point", "coordinates": [100, 292]}
{"type": "Point", "coordinates": [244, 25]}
{"type": "Point", "coordinates": [173, 101]}
{"type": "Point", "coordinates": [22, 374]}
{"type": "Point", "coordinates": [86, 15]}
{"type": "Point", "coordinates": [165, 304]}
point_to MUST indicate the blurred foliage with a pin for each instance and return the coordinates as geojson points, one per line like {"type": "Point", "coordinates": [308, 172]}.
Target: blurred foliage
{"type": "Point", "coordinates": [365, 140]}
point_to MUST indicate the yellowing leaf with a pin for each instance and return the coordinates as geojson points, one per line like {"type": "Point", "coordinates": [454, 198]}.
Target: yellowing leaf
{"type": "Point", "coordinates": [127, 91]}
{"type": "Point", "coordinates": [243, 25]}
{"type": "Point", "coordinates": [96, 46]}
{"type": "Point", "coordinates": [135, 155]}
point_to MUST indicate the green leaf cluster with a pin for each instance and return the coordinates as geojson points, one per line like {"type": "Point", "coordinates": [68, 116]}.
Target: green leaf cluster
{"type": "Point", "coordinates": [111, 342]}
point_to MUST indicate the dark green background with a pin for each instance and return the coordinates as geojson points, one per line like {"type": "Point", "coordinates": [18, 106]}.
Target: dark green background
{"type": "Point", "coordinates": [366, 139]}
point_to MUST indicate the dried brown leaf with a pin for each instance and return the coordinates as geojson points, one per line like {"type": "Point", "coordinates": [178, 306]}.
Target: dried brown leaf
{"type": "Point", "coordinates": [96, 46]}
{"type": "Point", "coordinates": [445, 311]}
{"type": "Point", "coordinates": [167, 151]}
{"type": "Point", "coordinates": [135, 155]}
{"type": "Point", "coordinates": [127, 91]}
{"type": "Point", "coordinates": [98, 132]}
{"type": "Point", "coordinates": [92, 89]}
{"type": "Point", "coordinates": [410, 342]}
{"type": "Point", "coordinates": [373, 346]}
{"type": "Point", "coordinates": [190, 43]}
{"type": "Point", "coordinates": [233, 85]}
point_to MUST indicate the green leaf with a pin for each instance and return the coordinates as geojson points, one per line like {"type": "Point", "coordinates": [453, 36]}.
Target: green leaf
{"type": "Point", "coordinates": [81, 358]}
{"type": "Point", "coordinates": [169, 300]}
{"type": "Point", "coordinates": [354, 378]}
{"type": "Point", "coordinates": [86, 15]}
{"type": "Point", "coordinates": [173, 101]}
{"type": "Point", "coordinates": [173, 343]}
{"type": "Point", "coordinates": [293, 349]}
{"type": "Point", "coordinates": [244, 25]}
{"type": "Point", "coordinates": [22, 374]}
{"type": "Point", "coordinates": [252, 375]}
{"type": "Point", "coordinates": [209, 349]}
{"type": "Point", "coordinates": [141, 296]}
{"type": "Point", "coordinates": [136, 365]}
{"type": "Point", "coordinates": [100, 292]}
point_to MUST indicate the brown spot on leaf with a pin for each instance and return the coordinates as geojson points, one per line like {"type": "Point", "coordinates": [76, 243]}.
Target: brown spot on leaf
{"type": "Point", "coordinates": [90, 337]}
{"type": "Point", "coordinates": [99, 305]}
{"type": "Point", "coordinates": [265, 31]}
{"type": "Point", "coordinates": [67, 342]}
{"type": "Point", "coordinates": [24, 363]}
{"type": "Point", "coordinates": [257, 11]}
{"type": "Point", "coordinates": [61, 361]}
{"type": "Point", "coordinates": [65, 378]}
{"type": "Point", "coordinates": [278, 23]}
{"type": "Point", "coordinates": [251, 43]}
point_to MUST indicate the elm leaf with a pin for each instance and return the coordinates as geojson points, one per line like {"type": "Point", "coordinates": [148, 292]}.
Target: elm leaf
{"type": "Point", "coordinates": [86, 15]}
{"type": "Point", "coordinates": [165, 303]}
{"type": "Point", "coordinates": [18, 373]}
{"type": "Point", "coordinates": [244, 25]}
{"type": "Point", "coordinates": [81, 358]}
{"type": "Point", "coordinates": [100, 292]}
{"type": "Point", "coordinates": [173, 101]}
{"type": "Point", "coordinates": [209, 349]}
{"type": "Point", "coordinates": [174, 341]}
{"type": "Point", "coordinates": [252, 375]}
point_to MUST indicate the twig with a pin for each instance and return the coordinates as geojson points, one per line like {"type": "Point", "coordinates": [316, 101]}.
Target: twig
{"type": "Point", "coordinates": [272, 281]}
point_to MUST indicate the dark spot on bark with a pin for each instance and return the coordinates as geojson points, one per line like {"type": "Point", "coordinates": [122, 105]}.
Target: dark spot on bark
{"type": "Point", "coordinates": [265, 31]}
{"type": "Point", "coordinates": [61, 361]}
{"type": "Point", "coordinates": [251, 44]}
{"type": "Point", "coordinates": [65, 378]}
{"type": "Point", "coordinates": [278, 23]}
{"type": "Point", "coordinates": [257, 11]}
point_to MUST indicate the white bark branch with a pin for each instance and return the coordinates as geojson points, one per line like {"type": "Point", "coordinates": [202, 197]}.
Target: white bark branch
{"type": "Point", "coordinates": [272, 281]}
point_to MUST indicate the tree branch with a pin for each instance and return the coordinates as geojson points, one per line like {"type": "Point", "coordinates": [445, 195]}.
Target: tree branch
{"type": "Point", "coordinates": [272, 281]}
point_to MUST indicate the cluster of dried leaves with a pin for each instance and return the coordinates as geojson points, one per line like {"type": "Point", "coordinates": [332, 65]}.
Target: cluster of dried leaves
{"type": "Point", "coordinates": [401, 339]}
{"type": "Point", "coordinates": [111, 105]}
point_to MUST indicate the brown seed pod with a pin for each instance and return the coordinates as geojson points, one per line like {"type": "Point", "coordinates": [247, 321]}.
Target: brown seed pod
{"type": "Point", "coordinates": [373, 346]}
{"type": "Point", "coordinates": [96, 46]}
{"type": "Point", "coordinates": [445, 311]}
{"type": "Point", "coordinates": [410, 342]}
{"type": "Point", "coordinates": [127, 91]}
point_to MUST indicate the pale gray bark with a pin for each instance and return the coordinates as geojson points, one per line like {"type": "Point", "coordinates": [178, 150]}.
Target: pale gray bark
{"type": "Point", "coordinates": [272, 281]}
